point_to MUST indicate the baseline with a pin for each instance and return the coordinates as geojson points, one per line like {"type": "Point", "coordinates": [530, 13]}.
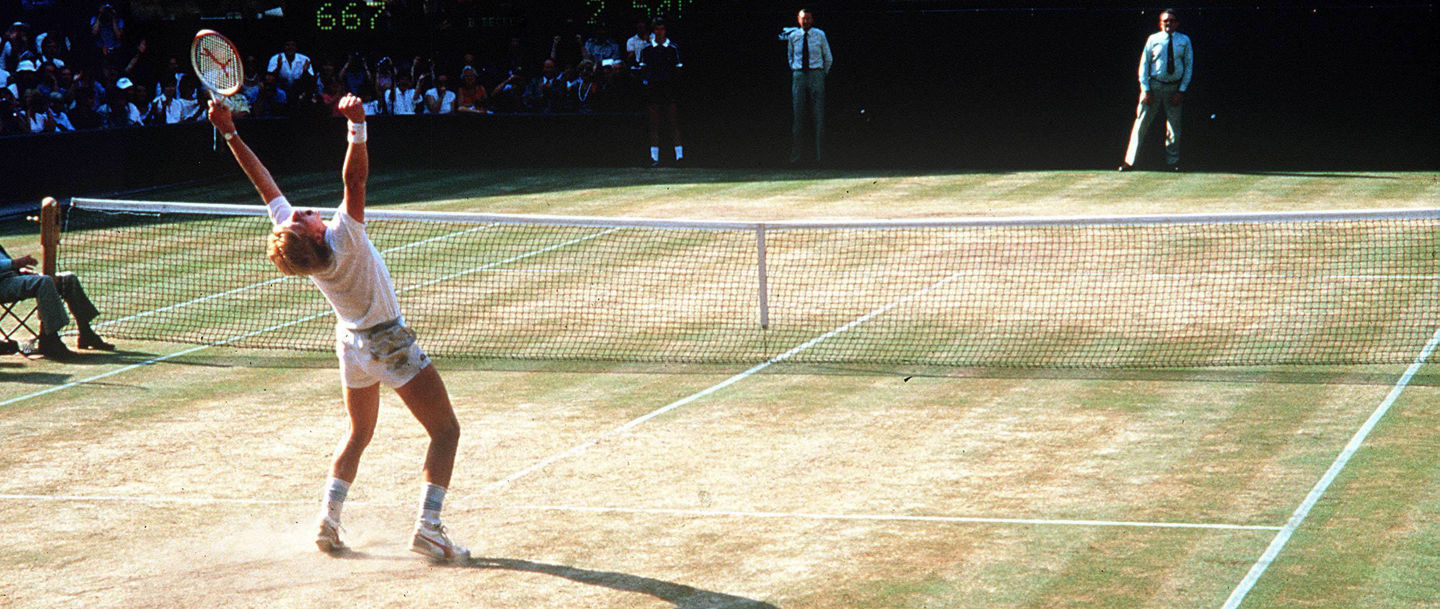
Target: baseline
{"type": "Point", "coordinates": [938, 519]}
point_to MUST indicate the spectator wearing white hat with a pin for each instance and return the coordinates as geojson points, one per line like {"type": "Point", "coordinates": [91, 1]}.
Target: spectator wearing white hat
{"type": "Point", "coordinates": [118, 110]}
{"type": "Point", "coordinates": [24, 79]}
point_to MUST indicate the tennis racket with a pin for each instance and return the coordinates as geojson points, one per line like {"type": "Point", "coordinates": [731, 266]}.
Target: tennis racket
{"type": "Point", "coordinates": [217, 63]}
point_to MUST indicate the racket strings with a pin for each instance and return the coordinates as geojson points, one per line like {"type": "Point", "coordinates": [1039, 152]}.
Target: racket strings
{"type": "Point", "coordinates": [217, 64]}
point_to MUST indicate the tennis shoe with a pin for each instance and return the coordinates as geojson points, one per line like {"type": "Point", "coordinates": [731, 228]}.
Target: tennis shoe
{"type": "Point", "coordinates": [433, 541]}
{"type": "Point", "coordinates": [327, 537]}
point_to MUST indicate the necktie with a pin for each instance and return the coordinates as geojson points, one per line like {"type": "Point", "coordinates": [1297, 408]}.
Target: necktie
{"type": "Point", "coordinates": [1170, 54]}
{"type": "Point", "coordinates": [805, 51]}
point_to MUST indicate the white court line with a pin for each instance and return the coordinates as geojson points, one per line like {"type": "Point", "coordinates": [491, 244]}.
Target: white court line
{"type": "Point", "coordinates": [583, 446]}
{"type": "Point", "coordinates": [171, 500]}
{"type": "Point", "coordinates": [232, 339]}
{"type": "Point", "coordinates": [1278, 543]}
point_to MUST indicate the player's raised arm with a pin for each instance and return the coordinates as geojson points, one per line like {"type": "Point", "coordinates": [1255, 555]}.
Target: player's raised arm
{"type": "Point", "coordinates": [254, 169]}
{"type": "Point", "coordinates": [357, 157]}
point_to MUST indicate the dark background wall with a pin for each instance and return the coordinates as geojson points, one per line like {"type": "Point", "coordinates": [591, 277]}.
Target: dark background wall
{"type": "Point", "coordinates": [1284, 86]}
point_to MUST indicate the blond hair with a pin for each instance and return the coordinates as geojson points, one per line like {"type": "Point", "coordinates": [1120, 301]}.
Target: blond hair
{"type": "Point", "coordinates": [296, 254]}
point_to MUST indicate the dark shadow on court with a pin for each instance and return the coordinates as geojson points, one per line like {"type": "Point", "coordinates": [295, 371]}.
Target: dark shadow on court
{"type": "Point", "coordinates": [682, 596]}
{"type": "Point", "coordinates": [10, 374]}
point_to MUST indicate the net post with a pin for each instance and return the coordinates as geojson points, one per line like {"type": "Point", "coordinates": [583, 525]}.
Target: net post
{"type": "Point", "coordinates": [764, 296]}
{"type": "Point", "coordinates": [49, 235]}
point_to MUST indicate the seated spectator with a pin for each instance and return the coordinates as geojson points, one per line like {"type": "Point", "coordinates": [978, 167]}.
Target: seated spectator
{"type": "Point", "coordinates": [10, 112]}
{"type": "Point", "coordinates": [638, 42]}
{"type": "Point", "coordinates": [48, 82]}
{"type": "Point", "coordinates": [82, 112]}
{"type": "Point", "coordinates": [36, 115]}
{"type": "Point", "coordinates": [169, 108]}
{"type": "Point", "coordinates": [355, 73]}
{"type": "Point", "coordinates": [59, 112]}
{"type": "Point", "coordinates": [271, 101]}
{"type": "Point", "coordinates": [17, 43]}
{"type": "Point", "coordinates": [402, 99]}
{"type": "Point", "coordinates": [51, 51]}
{"type": "Point", "coordinates": [545, 91]}
{"type": "Point", "coordinates": [508, 96]}
{"type": "Point", "coordinates": [18, 281]}
{"type": "Point", "coordinates": [330, 97]}
{"type": "Point", "coordinates": [290, 66]}
{"type": "Point", "coordinates": [250, 88]}
{"type": "Point", "coordinates": [601, 46]}
{"type": "Point", "coordinates": [118, 110]}
{"type": "Point", "coordinates": [64, 79]}
{"type": "Point", "coordinates": [570, 81]}
{"type": "Point", "coordinates": [384, 76]}
{"type": "Point", "coordinates": [440, 99]}
{"type": "Point", "coordinates": [587, 90]}
{"type": "Point", "coordinates": [24, 79]}
{"type": "Point", "coordinates": [368, 99]}
{"type": "Point", "coordinates": [471, 96]}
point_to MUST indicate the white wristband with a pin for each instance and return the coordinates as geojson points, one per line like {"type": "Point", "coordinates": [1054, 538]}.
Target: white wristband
{"type": "Point", "coordinates": [356, 133]}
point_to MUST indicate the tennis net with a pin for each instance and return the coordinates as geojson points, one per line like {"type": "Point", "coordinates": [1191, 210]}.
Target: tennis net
{"type": "Point", "coordinates": [1143, 291]}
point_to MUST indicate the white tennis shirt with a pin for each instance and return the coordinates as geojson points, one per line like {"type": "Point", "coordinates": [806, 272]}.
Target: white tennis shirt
{"type": "Point", "coordinates": [357, 284]}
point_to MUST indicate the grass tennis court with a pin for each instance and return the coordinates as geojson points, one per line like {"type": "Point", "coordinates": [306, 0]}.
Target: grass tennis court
{"type": "Point", "coordinates": [168, 475]}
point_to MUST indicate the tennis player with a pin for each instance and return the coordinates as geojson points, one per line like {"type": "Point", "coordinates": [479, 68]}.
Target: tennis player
{"type": "Point", "coordinates": [372, 341]}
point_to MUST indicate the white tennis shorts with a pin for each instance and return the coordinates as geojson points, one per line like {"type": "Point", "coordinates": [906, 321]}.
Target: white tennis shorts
{"type": "Point", "coordinates": [385, 353]}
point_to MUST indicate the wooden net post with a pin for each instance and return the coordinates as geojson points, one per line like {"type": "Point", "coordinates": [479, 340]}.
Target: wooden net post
{"type": "Point", "coordinates": [49, 235]}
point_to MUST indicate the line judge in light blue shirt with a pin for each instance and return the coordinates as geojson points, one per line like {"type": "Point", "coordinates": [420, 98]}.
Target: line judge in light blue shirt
{"type": "Point", "coordinates": [1166, 65]}
{"type": "Point", "coordinates": [808, 53]}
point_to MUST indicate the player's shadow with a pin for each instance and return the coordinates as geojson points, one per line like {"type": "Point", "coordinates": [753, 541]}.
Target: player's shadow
{"type": "Point", "coordinates": [682, 596]}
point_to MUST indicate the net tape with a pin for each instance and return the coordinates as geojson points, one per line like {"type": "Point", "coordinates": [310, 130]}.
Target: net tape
{"type": "Point", "coordinates": [1145, 291]}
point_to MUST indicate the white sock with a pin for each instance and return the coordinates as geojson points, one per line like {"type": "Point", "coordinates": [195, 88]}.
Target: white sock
{"type": "Point", "coordinates": [434, 498]}
{"type": "Point", "coordinates": [335, 491]}
{"type": "Point", "coordinates": [655, 153]}
{"type": "Point", "coordinates": [679, 152]}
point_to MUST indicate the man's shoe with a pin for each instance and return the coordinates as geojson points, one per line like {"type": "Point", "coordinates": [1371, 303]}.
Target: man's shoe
{"type": "Point", "coordinates": [1125, 167]}
{"type": "Point", "coordinates": [92, 341]}
{"type": "Point", "coordinates": [327, 537]}
{"type": "Point", "coordinates": [49, 346]}
{"type": "Point", "coordinates": [1173, 168]}
{"type": "Point", "coordinates": [432, 541]}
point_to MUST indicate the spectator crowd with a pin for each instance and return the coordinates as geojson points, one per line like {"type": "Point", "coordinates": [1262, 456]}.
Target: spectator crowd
{"type": "Point", "coordinates": [51, 81]}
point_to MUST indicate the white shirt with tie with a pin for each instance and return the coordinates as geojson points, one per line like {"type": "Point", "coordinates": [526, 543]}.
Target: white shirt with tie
{"type": "Point", "coordinates": [1157, 57]}
{"type": "Point", "coordinates": [820, 58]}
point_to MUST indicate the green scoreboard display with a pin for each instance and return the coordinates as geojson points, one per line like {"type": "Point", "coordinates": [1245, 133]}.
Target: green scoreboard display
{"type": "Point", "coordinates": [348, 16]}
{"type": "Point", "coordinates": [326, 18]}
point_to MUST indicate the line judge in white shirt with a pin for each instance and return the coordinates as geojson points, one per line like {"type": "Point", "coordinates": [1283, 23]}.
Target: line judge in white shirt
{"type": "Point", "coordinates": [1166, 65]}
{"type": "Point", "coordinates": [807, 51]}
